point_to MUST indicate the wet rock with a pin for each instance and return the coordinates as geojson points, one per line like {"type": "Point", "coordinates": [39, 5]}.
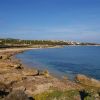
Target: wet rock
{"type": "Point", "coordinates": [87, 81]}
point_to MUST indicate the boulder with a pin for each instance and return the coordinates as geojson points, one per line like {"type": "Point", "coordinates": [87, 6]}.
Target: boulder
{"type": "Point", "coordinates": [18, 66]}
{"type": "Point", "coordinates": [0, 57]}
{"type": "Point", "coordinates": [87, 81]}
{"type": "Point", "coordinates": [46, 73]}
{"type": "Point", "coordinates": [4, 57]}
{"type": "Point", "coordinates": [4, 90]}
{"type": "Point", "coordinates": [18, 95]}
{"type": "Point", "coordinates": [3, 87]}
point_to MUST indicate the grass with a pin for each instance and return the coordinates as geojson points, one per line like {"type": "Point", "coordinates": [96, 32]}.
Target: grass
{"type": "Point", "coordinates": [89, 93]}
{"type": "Point", "coordinates": [57, 95]}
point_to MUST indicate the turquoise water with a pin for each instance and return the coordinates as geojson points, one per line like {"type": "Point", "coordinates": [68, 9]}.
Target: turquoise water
{"type": "Point", "coordinates": [67, 61]}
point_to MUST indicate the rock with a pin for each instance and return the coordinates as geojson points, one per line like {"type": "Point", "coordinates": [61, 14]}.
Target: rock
{"type": "Point", "coordinates": [18, 66]}
{"type": "Point", "coordinates": [4, 90]}
{"type": "Point", "coordinates": [3, 87]}
{"type": "Point", "coordinates": [9, 78]}
{"type": "Point", "coordinates": [64, 78]}
{"type": "Point", "coordinates": [18, 95]}
{"type": "Point", "coordinates": [29, 72]}
{"type": "Point", "coordinates": [87, 81]}
{"type": "Point", "coordinates": [46, 73]}
{"type": "Point", "coordinates": [96, 95]}
{"type": "Point", "coordinates": [42, 88]}
{"type": "Point", "coordinates": [4, 57]}
{"type": "Point", "coordinates": [22, 88]}
{"type": "Point", "coordinates": [0, 57]}
{"type": "Point", "coordinates": [24, 78]}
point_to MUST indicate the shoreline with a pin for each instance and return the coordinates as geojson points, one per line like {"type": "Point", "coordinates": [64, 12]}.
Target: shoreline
{"type": "Point", "coordinates": [55, 73]}
{"type": "Point", "coordinates": [82, 45]}
{"type": "Point", "coordinates": [24, 49]}
{"type": "Point", "coordinates": [21, 50]}
{"type": "Point", "coordinates": [16, 76]}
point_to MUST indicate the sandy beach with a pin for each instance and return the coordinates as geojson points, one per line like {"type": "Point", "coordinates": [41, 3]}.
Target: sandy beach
{"type": "Point", "coordinates": [15, 49]}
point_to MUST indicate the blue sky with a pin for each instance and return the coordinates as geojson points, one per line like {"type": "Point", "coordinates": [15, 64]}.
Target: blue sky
{"type": "Point", "coordinates": [77, 20]}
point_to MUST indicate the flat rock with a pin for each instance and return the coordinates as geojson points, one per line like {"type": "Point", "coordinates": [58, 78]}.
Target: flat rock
{"type": "Point", "coordinates": [29, 72]}
{"type": "Point", "coordinates": [87, 81]}
{"type": "Point", "coordinates": [17, 95]}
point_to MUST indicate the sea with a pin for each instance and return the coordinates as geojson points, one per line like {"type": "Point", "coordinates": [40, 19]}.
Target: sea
{"type": "Point", "coordinates": [67, 61]}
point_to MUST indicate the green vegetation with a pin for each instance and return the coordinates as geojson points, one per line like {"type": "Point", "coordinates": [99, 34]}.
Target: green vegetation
{"type": "Point", "coordinates": [68, 95]}
{"type": "Point", "coordinates": [57, 95]}
{"type": "Point", "coordinates": [30, 42]}
{"type": "Point", "coordinates": [23, 43]}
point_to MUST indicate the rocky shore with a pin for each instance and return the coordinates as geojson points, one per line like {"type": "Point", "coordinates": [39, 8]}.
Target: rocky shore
{"type": "Point", "coordinates": [18, 82]}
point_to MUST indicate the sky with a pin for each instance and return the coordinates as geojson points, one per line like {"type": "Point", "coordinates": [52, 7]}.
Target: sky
{"type": "Point", "coordinates": [73, 20]}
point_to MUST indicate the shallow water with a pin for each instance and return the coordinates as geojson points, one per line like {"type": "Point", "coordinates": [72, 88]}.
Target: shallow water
{"type": "Point", "coordinates": [67, 61]}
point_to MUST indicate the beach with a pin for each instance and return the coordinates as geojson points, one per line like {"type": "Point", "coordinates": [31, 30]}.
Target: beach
{"type": "Point", "coordinates": [14, 76]}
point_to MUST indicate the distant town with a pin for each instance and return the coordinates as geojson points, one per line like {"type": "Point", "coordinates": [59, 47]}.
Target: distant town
{"type": "Point", "coordinates": [9, 42]}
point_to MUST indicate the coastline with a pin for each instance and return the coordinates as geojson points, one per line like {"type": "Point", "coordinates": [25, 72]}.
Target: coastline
{"type": "Point", "coordinates": [82, 45]}
{"type": "Point", "coordinates": [18, 77]}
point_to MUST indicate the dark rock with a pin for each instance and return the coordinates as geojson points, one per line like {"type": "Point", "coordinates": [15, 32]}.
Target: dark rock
{"type": "Point", "coordinates": [0, 57]}
{"type": "Point", "coordinates": [17, 95]}
{"type": "Point", "coordinates": [18, 66]}
{"type": "Point", "coordinates": [3, 87]}
{"type": "Point", "coordinates": [4, 90]}
{"type": "Point", "coordinates": [84, 94]}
